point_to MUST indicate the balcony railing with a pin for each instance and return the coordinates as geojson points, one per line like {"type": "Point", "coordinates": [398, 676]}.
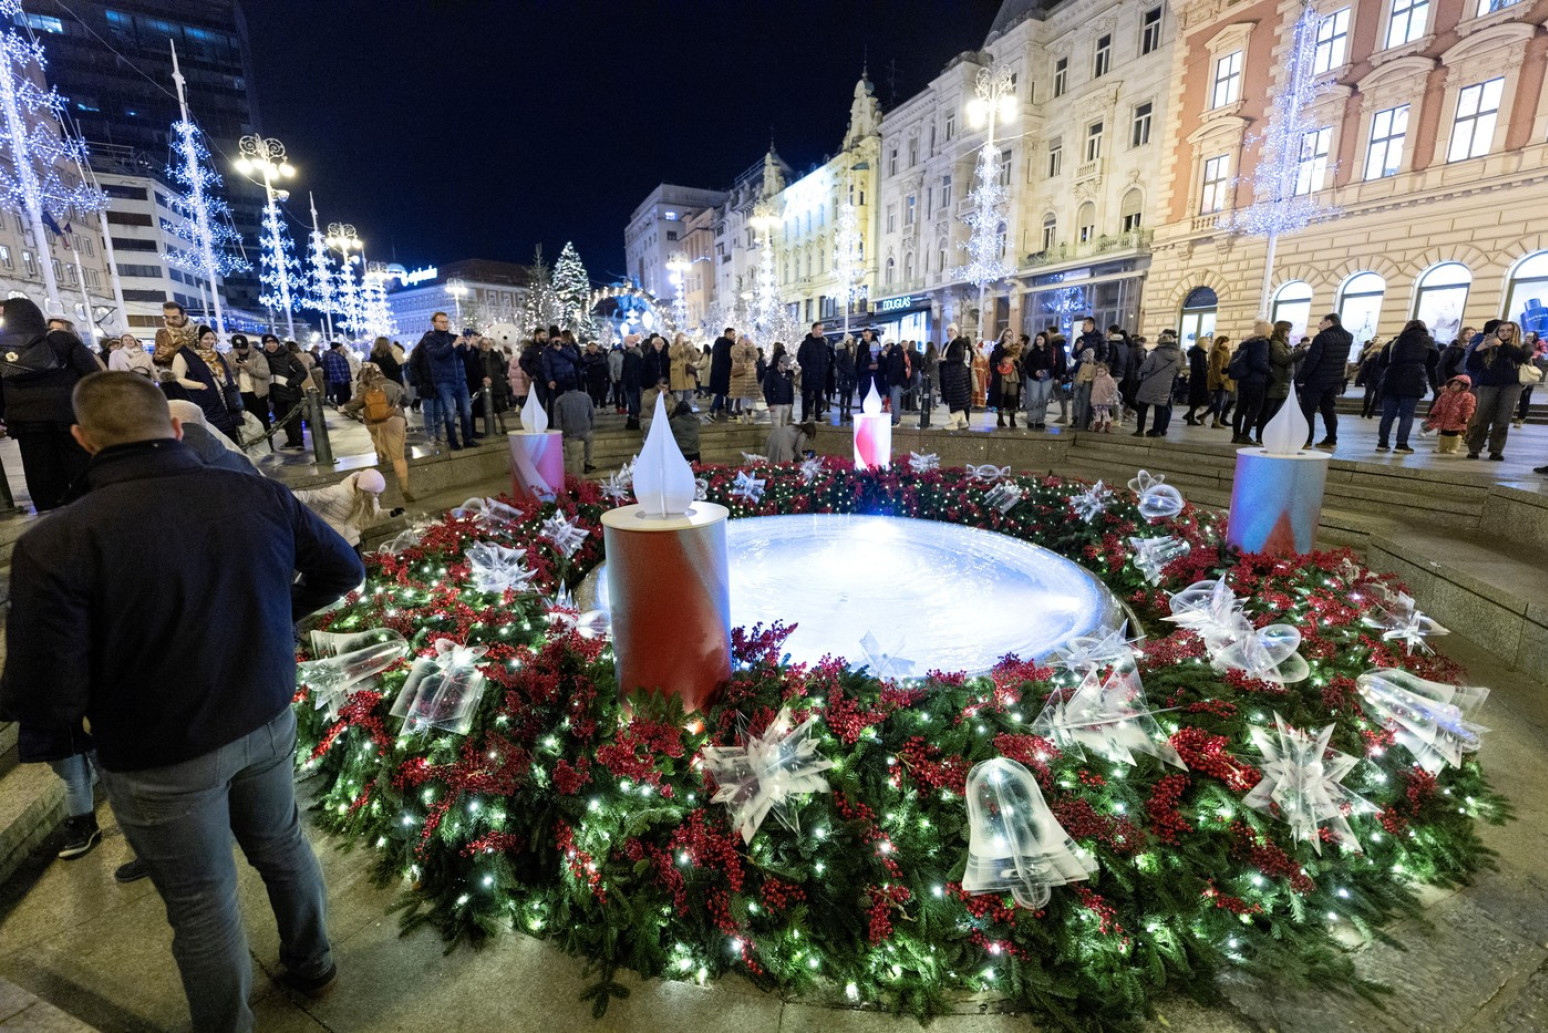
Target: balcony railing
{"type": "Point", "coordinates": [1206, 222]}
{"type": "Point", "coordinates": [1133, 240]}
{"type": "Point", "coordinates": [1088, 170]}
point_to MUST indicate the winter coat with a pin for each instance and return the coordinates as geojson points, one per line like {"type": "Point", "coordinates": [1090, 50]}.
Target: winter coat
{"type": "Point", "coordinates": [656, 365]}
{"type": "Point", "coordinates": [85, 638]}
{"type": "Point", "coordinates": [1219, 367]}
{"type": "Point", "coordinates": [1326, 361]}
{"type": "Point", "coordinates": [844, 369]}
{"type": "Point", "coordinates": [517, 377]}
{"type": "Point", "coordinates": [779, 387]}
{"type": "Point", "coordinates": [1157, 374]}
{"type": "Point", "coordinates": [685, 431]}
{"type": "Point", "coordinates": [1496, 366]}
{"type": "Point", "coordinates": [212, 399]}
{"type": "Point", "coordinates": [594, 369]}
{"type": "Point", "coordinates": [495, 371]}
{"type": "Point", "coordinates": [44, 396]}
{"type": "Point", "coordinates": [255, 365]}
{"type": "Point", "coordinates": [1281, 369]}
{"type": "Point", "coordinates": [956, 378]}
{"type": "Point", "coordinates": [1037, 363]}
{"type": "Point", "coordinates": [574, 414]}
{"type": "Point", "coordinates": [684, 360]}
{"type": "Point", "coordinates": [335, 366]}
{"type": "Point", "coordinates": [1450, 363]}
{"type": "Point", "coordinates": [615, 365]}
{"type": "Point", "coordinates": [561, 366]}
{"type": "Point", "coordinates": [720, 366]}
{"type": "Point", "coordinates": [744, 370]}
{"type": "Point", "coordinates": [1096, 341]}
{"type": "Point", "coordinates": [1406, 365]}
{"type": "Point", "coordinates": [1452, 410]}
{"type": "Point", "coordinates": [812, 356]}
{"type": "Point", "coordinates": [894, 369]}
{"type": "Point", "coordinates": [446, 365]}
{"type": "Point", "coordinates": [1255, 361]}
{"type": "Point", "coordinates": [1104, 390]}
{"type": "Point", "coordinates": [1198, 375]}
{"type": "Point", "coordinates": [287, 373]}
{"type": "Point", "coordinates": [633, 373]}
{"type": "Point", "coordinates": [388, 363]}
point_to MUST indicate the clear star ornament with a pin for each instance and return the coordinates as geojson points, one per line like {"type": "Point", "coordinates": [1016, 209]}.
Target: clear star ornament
{"type": "Point", "coordinates": [747, 487]}
{"type": "Point", "coordinates": [1089, 503]}
{"type": "Point", "coordinates": [764, 775]}
{"type": "Point", "coordinates": [1110, 717]}
{"type": "Point", "coordinates": [497, 568]}
{"type": "Point", "coordinates": [1301, 785]}
{"type": "Point", "coordinates": [566, 535]}
{"type": "Point", "coordinates": [1153, 555]}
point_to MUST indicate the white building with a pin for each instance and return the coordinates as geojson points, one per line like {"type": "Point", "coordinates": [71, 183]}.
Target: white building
{"type": "Point", "coordinates": [489, 296]}
{"type": "Point", "coordinates": [655, 232]}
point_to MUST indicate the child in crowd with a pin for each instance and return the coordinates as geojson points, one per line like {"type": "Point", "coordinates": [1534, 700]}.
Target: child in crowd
{"type": "Point", "coordinates": [575, 414]}
{"type": "Point", "coordinates": [1105, 398]}
{"type": "Point", "coordinates": [685, 431]}
{"type": "Point", "coordinates": [1450, 414]}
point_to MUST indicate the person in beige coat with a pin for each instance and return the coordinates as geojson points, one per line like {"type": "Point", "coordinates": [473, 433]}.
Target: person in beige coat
{"type": "Point", "coordinates": [685, 359]}
{"type": "Point", "coordinates": [744, 378]}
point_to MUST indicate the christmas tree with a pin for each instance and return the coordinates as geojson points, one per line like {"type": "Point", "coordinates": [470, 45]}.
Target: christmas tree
{"type": "Point", "coordinates": [39, 159]}
{"type": "Point", "coordinates": [572, 288]}
{"type": "Point", "coordinates": [279, 272]}
{"type": "Point", "coordinates": [542, 307]}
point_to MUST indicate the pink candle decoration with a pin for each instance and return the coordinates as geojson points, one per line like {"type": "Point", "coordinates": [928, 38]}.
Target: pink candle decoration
{"type": "Point", "coordinates": [537, 455]}
{"type": "Point", "coordinates": [668, 579]}
{"type": "Point", "coordinates": [873, 434]}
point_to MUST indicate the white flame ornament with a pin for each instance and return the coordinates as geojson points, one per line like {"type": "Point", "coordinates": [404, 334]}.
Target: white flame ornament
{"type": "Point", "coordinates": [534, 418]}
{"type": "Point", "coordinates": [663, 480]}
{"type": "Point", "coordinates": [763, 775]}
{"type": "Point", "coordinates": [1300, 784]}
{"type": "Point", "coordinates": [1432, 720]}
{"type": "Point", "coordinates": [1157, 501]}
{"type": "Point", "coordinates": [1014, 841]}
{"type": "Point", "coordinates": [1287, 432]}
{"type": "Point", "coordinates": [871, 406]}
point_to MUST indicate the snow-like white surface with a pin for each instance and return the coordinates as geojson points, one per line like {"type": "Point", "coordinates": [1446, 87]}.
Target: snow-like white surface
{"type": "Point", "coordinates": [937, 595]}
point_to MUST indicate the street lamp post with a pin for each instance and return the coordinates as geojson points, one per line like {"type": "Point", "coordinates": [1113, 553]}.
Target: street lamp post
{"type": "Point", "coordinates": [341, 238]}
{"type": "Point", "coordinates": [265, 157]}
{"type": "Point", "coordinates": [994, 100]}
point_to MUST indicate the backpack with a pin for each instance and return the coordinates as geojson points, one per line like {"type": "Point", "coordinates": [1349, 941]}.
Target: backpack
{"type": "Point", "coordinates": [378, 408]}
{"type": "Point", "coordinates": [1239, 366]}
{"type": "Point", "coordinates": [36, 356]}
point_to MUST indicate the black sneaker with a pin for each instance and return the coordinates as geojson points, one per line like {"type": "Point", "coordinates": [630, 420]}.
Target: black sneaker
{"type": "Point", "coordinates": [312, 987]}
{"type": "Point", "coordinates": [132, 871]}
{"type": "Point", "coordinates": [588, 468]}
{"type": "Point", "coordinates": [1404, 450]}
{"type": "Point", "coordinates": [1382, 448]}
{"type": "Point", "coordinates": [1329, 445]}
{"type": "Point", "coordinates": [81, 837]}
{"type": "Point", "coordinates": [1472, 455]}
{"type": "Point", "coordinates": [1541, 469]}
{"type": "Point", "coordinates": [1498, 457]}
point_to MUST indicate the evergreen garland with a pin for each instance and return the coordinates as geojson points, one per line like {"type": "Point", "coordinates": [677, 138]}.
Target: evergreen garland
{"type": "Point", "coordinates": [568, 816]}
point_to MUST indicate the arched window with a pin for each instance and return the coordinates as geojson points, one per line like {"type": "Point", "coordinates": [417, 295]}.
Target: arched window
{"type": "Point", "coordinates": [1001, 235]}
{"type": "Point", "coordinates": [892, 268]}
{"type": "Point", "coordinates": [1050, 231]}
{"type": "Point", "coordinates": [1293, 302]}
{"type": "Point", "coordinates": [1526, 297]}
{"type": "Point", "coordinates": [1085, 223]}
{"type": "Point", "coordinates": [1359, 305]}
{"type": "Point", "coordinates": [1198, 314]}
{"type": "Point", "coordinates": [1440, 297]}
{"type": "Point", "coordinates": [940, 254]}
{"type": "Point", "coordinates": [908, 268]}
{"type": "Point", "coordinates": [1132, 210]}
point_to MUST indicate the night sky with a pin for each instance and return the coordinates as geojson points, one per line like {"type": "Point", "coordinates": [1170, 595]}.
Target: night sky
{"type": "Point", "coordinates": [479, 128]}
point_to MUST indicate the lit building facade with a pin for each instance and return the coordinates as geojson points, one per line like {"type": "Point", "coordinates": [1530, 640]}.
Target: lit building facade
{"type": "Point", "coordinates": [655, 233]}
{"type": "Point", "coordinates": [488, 295]}
{"type": "Point", "coordinates": [1429, 146]}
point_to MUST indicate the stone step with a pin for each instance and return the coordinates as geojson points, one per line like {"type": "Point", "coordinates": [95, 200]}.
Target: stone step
{"type": "Point", "coordinates": [23, 1011]}
{"type": "Point", "coordinates": [31, 807]}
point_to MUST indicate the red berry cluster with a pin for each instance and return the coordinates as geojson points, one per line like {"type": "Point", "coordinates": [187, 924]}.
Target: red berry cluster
{"type": "Point", "coordinates": [1165, 820]}
{"type": "Point", "coordinates": [777, 895]}
{"type": "Point", "coordinates": [917, 758]}
{"type": "Point", "coordinates": [1032, 750]}
{"type": "Point", "coordinates": [883, 900]}
{"type": "Point", "coordinates": [1107, 915]}
{"type": "Point", "coordinates": [1206, 753]}
{"type": "Point", "coordinates": [578, 863]}
{"type": "Point", "coordinates": [494, 843]}
{"type": "Point", "coordinates": [1082, 821]}
{"type": "Point", "coordinates": [1270, 859]}
{"type": "Point", "coordinates": [569, 779]}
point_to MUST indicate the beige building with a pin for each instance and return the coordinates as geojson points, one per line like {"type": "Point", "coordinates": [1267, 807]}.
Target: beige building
{"type": "Point", "coordinates": [1430, 145]}
{"type": "Point", "coordinates": [1078, 160]}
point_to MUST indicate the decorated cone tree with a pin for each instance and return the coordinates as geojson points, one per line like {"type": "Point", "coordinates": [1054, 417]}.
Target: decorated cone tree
{"type": "Point", "coordinates": [542, 307]}
{"type": "Point", "coordinates": [572, 289]}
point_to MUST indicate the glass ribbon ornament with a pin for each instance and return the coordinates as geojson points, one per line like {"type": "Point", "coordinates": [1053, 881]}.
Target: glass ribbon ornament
{"type": "Point", "coordinates": [988, 473]}
{"type": "Point", "coordinates": [1432, 720]}
{"type": "Point", "coordinates": [491, 514]}
{"type": "Point", "coordinates": [923, 463]}
{"type": "Point", "coordinates": [1214, 613]}
{"type": "Point", "coordinates": [747, 487]}
{"type": "Point", "coordinates": [762, 776]}
{"type": "Point", "coordinates": [885, 662]}
{"type": "Point", "coordinates": [406, 540]}
{"type": "Point", "coordinates": [1401, 621]}
{"type": "Point", "coordinates": [1109, 717]}
{"type": "Point", "coordinates": [1157, 501]}
{"type": "Point", "coordinates": [1089, 652]}
{"type": "Point", "coordinates": [566, 535]}
{"type": "Point", "coordinates": [1093, 500]}
{"type": "Point", "coordinates": [1003, 497]}
{"type": "Point", "coordinates": [701, 489]}
{"type": "Point", "coordinates": [1153, 555]}
{"type": "Point", "coordinates": [442, 690]}
{"type": "Point", "coordinates": [1300, 784]}
{"type": "Point", "coordinates": [496, 568]}
{"type": "Point", "coordinates": [346, 659]}
{"type": "Point", "coordinates": [1014, 841]}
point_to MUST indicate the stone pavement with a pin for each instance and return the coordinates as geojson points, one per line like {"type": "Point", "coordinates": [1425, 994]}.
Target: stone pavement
{"type": "Point", "coordinates": [101, 952]}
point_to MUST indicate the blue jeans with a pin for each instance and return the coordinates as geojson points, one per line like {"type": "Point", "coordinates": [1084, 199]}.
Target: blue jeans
{"type": "Point", "coordinates": [895, 394]}
{"type": "Point", "coordinates": [1402, 409]}
{"type": "Point", "coordinates": [1038, 392]}
{"type": "Point", "coordinates": [79, 774]}
{"type": "Point", "coordinates": [432, 406]}
{"type": "Point", "coordinates": [454, 403]}
{"type": "Point", "coordinates": [180, 820]}
{"type": "Point", "coordinates": [1082, 402]}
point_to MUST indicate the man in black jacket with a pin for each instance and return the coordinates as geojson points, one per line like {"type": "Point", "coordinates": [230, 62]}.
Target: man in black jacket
{"type": "Point", "coordinates": [720, 370]}
{"type": "Point", "coordinates": [288, 379]}
{"type": "Point", "coordinates": [38, 369]}
{"type": "Point", "coordinates": [192, 720]}
{"type": "Point", "coordinates": [813, 357]}
{"type": "Point", "coordinates": [1320, 379]}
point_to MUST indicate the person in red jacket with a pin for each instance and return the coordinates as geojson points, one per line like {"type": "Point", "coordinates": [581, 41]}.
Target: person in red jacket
{"type": "Point", "coordinates": [1450, 414]}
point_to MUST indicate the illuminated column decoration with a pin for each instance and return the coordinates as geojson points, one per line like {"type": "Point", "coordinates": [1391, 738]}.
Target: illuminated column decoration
{"type": "Point", "coordinates": [677, 272]}
{"type": "Point", "coordinates": [206, 225]}
{"type": "Point", "coordinates": [668, 579]}
{"type": "Point", "coordinates": [36, 149]}
{"type": "Point", "coordinates": [1282, 203]}
{"type": "Point", "coordinates": [994, 99]}
{"type": "Point", "coordinates": [378, 317]}
{"type": "Point", "coordinates": [320, 291]}
{"type": "Point", "coordinates": [848, 262]}
{"type": "Point", "coordinates": [265, 157]}
{"type": "Point", "coordinates": [341, 238]}
{"type": "Point", "coordinates": [1276, 497]}
{"type": "Point", "coordinates": [767, 312]}
{"type": "Point", "coordinates": [873, 434]}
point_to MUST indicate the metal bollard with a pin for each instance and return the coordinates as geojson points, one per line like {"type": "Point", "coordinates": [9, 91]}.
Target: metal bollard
{"type": "Point", "coordinates": [489, 415]}
{"type": "Point", "coordinates": [322, 448]}
{"type": "Point", "coordinates": [925, 403]}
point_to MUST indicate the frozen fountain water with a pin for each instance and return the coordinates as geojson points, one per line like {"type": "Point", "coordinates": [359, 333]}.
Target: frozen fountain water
{"type": "Point", "coordinates": [932, 594]}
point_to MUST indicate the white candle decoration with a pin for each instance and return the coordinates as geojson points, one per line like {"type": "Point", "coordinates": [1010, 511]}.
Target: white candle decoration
{"type": "Point", "coordinates": [663, 480]}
